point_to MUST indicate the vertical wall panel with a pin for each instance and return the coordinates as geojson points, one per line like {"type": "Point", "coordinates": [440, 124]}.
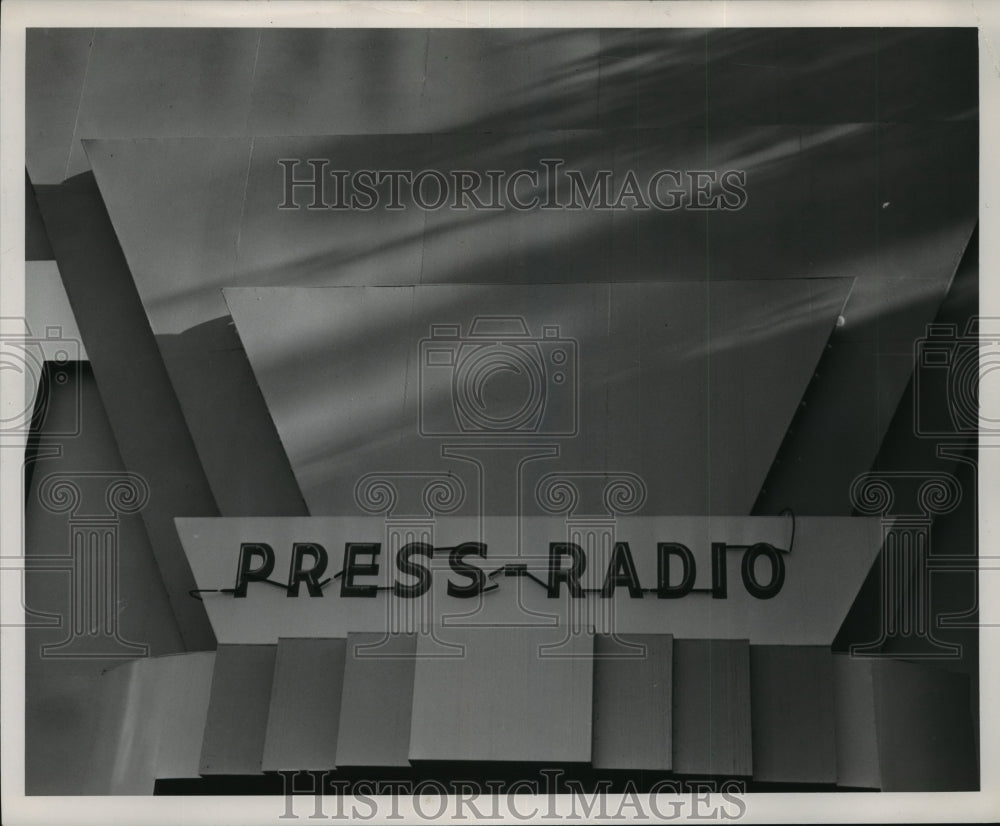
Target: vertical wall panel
{"type": "Point", "coordinates": [633, 702]}
{"type": "Point", "coordinates": [792, 714]}
{"type": "Point", "coordinates": [377, 700]}
{"type": "Point", "coordinates": [857, 739]}
{"type": "Point", "coordinates": [504, 698]}
{"type": "Point", "coordinates": [712, 707]}
{"type": "Point", "coordinates": [904, 726]}
{"type": "Point", "coordinates": [150, 724]}
{"type": "Point", "coordinates": [186, 715]}
{"type": "Point", "coordinates": [237, 709]}
{"type": "Point", "coordinates": [305, 705]}
{"type": "Point", "coordinates": [95, 773]}
{"type": "Point", "coordinates": [924, 722]}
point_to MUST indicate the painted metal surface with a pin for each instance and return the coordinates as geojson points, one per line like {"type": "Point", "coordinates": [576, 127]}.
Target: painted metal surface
{"type": "Point", "coordinates": [793, 714]}
{"type": "Point", "coordinates": [304, 712]}
{"type": "Point", "coordinates": [493, 695]}
{"type": "Point", "coordinates": [377, 701]}
{"type": "Point", "coordinates": [153, 713]}
{"type": "Point", "coordinates": [856, 735]}
{"type": "Point", "coordinates": [346, 377]}
{"type": "Point", "coordinates": [237, 712]}
{"type": "Point", "coordinates": [712, 725]}
{"type": "Point", "coordinates": [633, 702]}
{"type": "Point", "coordinates": [939, 754]}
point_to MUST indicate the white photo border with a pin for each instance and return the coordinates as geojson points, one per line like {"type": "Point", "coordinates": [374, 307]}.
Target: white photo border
{"type": "Point", "coordinates": [18, 15]}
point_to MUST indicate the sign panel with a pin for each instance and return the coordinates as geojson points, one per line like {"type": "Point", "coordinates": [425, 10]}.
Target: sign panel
{"type": "Point", "coordinates": [693, 577]}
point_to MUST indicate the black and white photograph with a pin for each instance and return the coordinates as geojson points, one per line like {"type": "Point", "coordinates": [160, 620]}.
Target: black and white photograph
{"type": "Point", "coordinates": [455, 411]}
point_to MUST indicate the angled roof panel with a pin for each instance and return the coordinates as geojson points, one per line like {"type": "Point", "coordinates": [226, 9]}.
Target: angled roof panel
{"type": "Point", "coordinates": [343, 375]}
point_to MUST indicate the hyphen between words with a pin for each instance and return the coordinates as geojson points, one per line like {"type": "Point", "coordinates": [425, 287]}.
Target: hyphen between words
{"type": "Point", "coordinates": [567, 563]}
{"type": "Point", "coordinates": [309, 184]}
